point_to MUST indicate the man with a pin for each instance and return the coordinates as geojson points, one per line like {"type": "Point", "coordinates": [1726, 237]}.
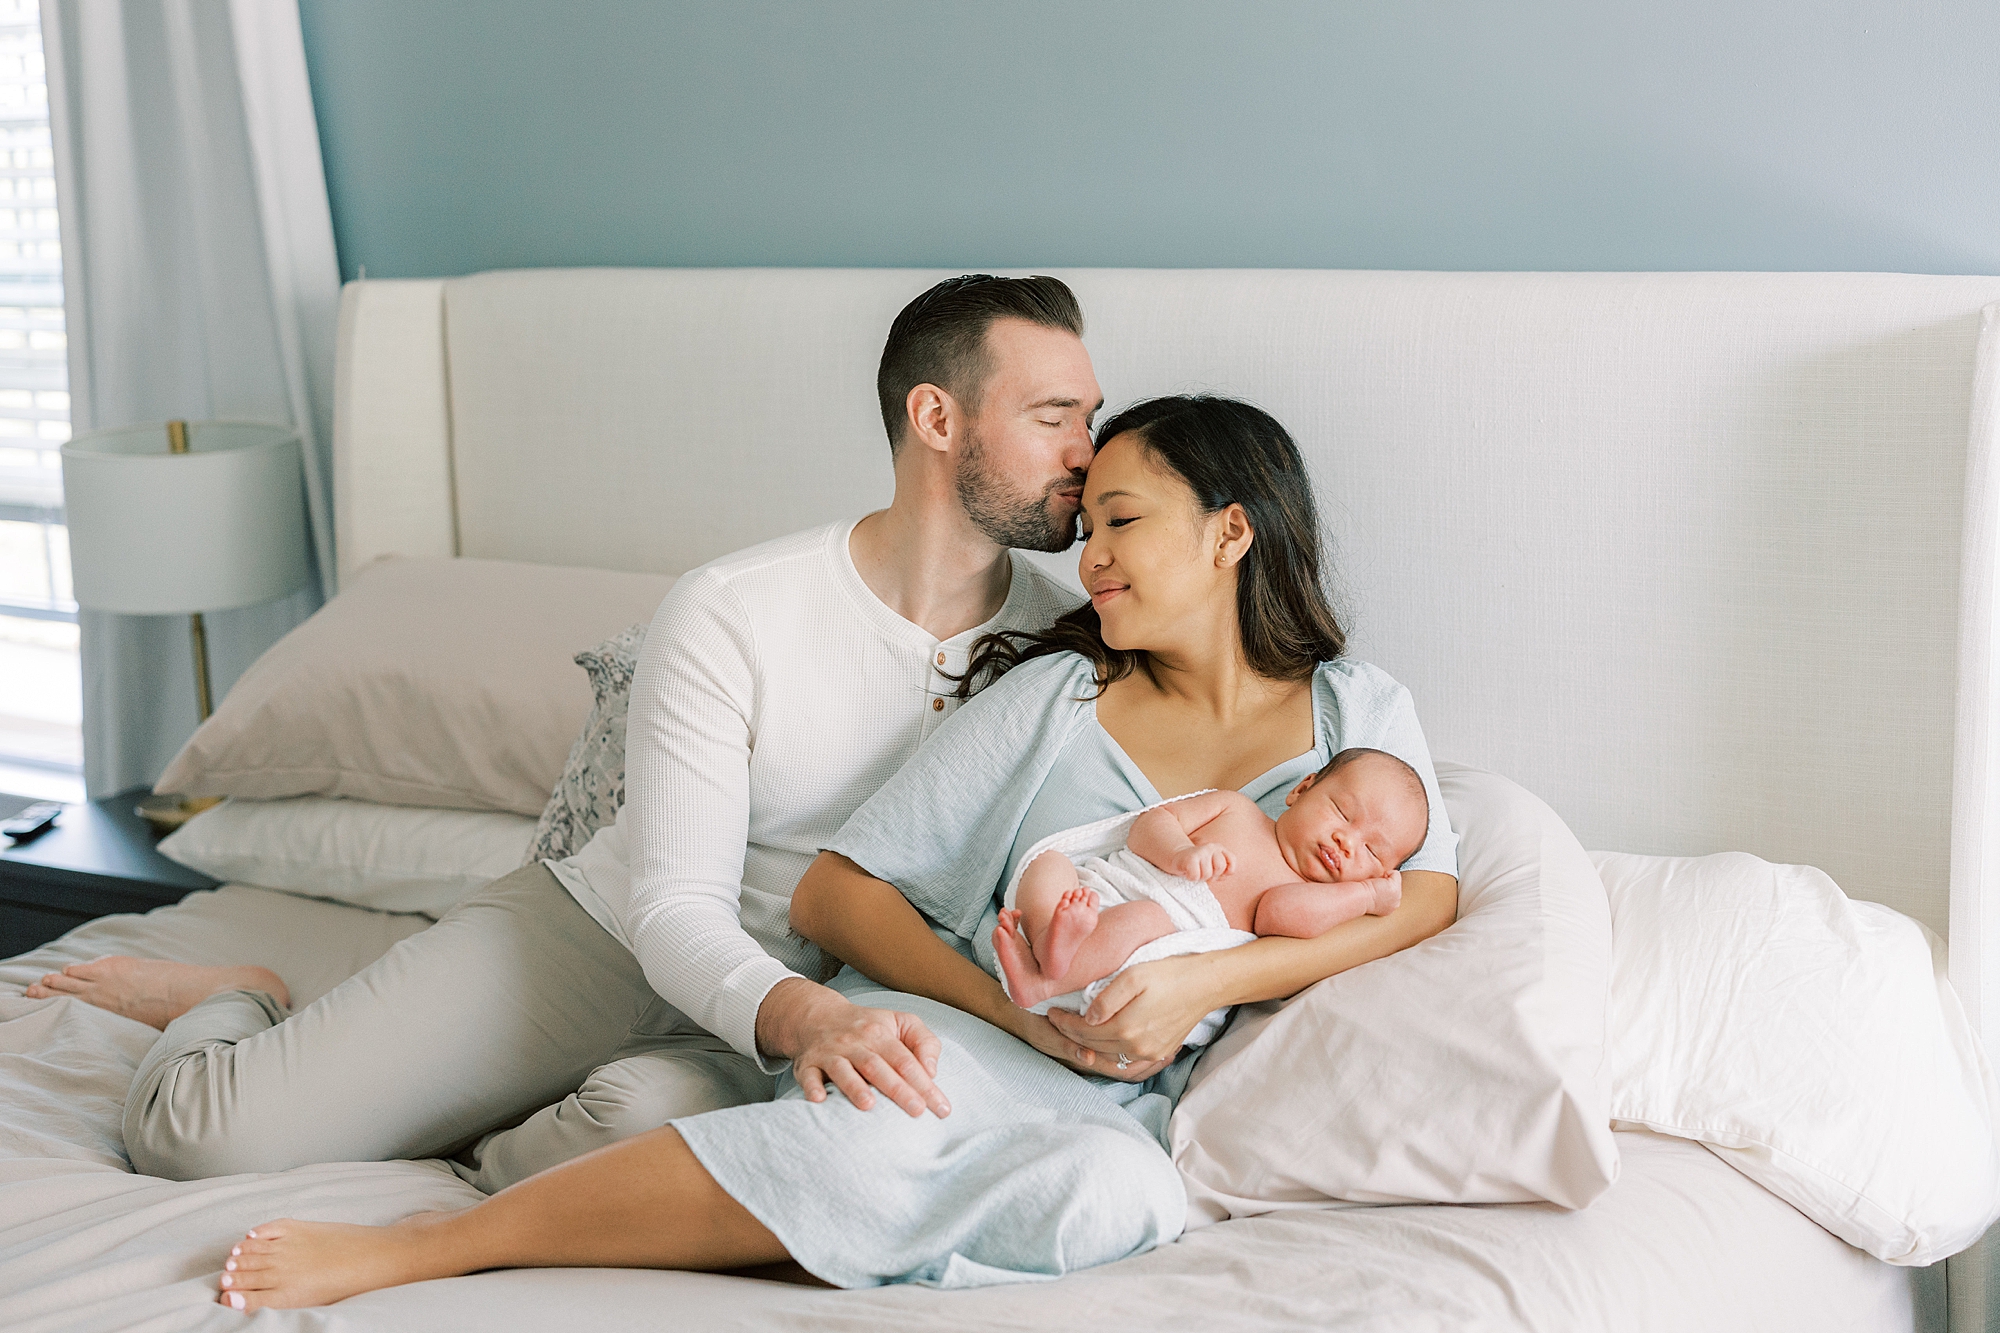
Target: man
{"type": "Point", "coordinates": [779, 687]}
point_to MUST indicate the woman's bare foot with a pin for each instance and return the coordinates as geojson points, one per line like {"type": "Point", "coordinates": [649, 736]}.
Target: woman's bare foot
{"type": "Point", "coordinates": [1075, 916]}
{"type": "Point", "coordinates": [152, 991]}
{"type": "Point", "coordinates": [285, 1264]}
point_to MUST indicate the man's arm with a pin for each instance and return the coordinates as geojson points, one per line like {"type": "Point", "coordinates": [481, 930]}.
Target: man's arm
{"type": "Point", "coordinates": [687, 812]}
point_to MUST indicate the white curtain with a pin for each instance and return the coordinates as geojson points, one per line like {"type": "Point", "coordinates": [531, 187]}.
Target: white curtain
{"type": "Point", "coordinates": [200, 282]}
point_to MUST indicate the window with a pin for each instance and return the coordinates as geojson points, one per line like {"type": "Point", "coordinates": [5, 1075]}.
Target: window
{"type": "Point", "coordinates": [41, 690]}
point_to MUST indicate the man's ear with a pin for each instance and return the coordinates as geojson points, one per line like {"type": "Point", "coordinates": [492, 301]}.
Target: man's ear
{"type": "Point", "coordinates": [1233, 536]}
{"type": "Point", "coordinates": [934, 417]}
{"type": "Point", "coordinates": [1305, 785]}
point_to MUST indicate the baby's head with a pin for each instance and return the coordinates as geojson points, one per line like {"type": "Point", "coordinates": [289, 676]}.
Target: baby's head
{"type": "Point", "coordinates": [1360, 817]}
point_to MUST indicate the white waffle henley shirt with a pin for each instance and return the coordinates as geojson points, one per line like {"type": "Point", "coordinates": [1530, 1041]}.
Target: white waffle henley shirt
{"type": "Point", "coordinates": [774, 694]}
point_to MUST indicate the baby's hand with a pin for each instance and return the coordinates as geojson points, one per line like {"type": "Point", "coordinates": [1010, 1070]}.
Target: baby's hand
{"type": "Point", "coordinates": [1202, 863]}
{"type": "Point", "coordinates": [1388, 893]}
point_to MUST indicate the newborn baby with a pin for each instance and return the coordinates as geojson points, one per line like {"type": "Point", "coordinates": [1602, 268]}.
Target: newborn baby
{"type": "Point", "coordinates": [1331, 857]}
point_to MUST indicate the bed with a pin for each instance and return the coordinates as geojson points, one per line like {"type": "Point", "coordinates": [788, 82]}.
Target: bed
{"type": "Point", "coordinates": [1702, 560]}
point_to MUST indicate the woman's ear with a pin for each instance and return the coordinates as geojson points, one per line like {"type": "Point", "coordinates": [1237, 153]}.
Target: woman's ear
{"type": "Point", "coordinates": [1233, 535]}
{"type": "Point", "coordinates": [1305, 785]}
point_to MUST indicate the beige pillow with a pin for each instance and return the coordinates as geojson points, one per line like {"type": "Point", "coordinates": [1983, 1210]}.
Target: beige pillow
{"type": "Point", "coordinates": [1466, 1069]}
{"type": "Point", "coordinates": [434, 682]}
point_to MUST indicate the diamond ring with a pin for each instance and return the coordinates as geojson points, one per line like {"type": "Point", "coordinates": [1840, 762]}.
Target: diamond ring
{"type": "Point", "coordinates": [1124, 1060]}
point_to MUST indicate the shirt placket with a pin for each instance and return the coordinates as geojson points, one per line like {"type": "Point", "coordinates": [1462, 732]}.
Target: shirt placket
{"type": "Point", "coordinates": [940, 691]}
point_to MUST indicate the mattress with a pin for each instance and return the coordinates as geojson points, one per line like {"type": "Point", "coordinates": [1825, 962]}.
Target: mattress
{"type": "Point", "coordinates": [1682, 1242]}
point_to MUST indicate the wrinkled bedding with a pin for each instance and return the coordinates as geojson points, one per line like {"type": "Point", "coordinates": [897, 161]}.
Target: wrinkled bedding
{"type": "Point", "coordinates": [1682, 1242]}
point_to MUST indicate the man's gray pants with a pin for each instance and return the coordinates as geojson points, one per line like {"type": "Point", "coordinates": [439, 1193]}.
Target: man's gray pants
{"type": "Point", "coordinates": [515, 1033]}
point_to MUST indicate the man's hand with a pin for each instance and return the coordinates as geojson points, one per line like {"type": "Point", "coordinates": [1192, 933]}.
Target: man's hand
{"type": "Point", "coordinates": [1201, 863]}
{"type": "Point", "coordinates": [861, 1050]}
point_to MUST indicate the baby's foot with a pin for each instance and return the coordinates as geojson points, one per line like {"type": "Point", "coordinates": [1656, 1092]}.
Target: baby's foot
{"type": "Point", "coordinates": [152, 991]}
{"type": "Point", "coordinates": [1069, 926]}
{"type": "Point", "coordinates": [286, 1264]}
{"type": "Point", "coordinates": [1388, 893]}
{"type": "Point", "coordinates": [1025, 982]}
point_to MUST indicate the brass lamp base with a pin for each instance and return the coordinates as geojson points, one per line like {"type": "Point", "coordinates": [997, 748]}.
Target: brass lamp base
{"type": "Point", "coordinates": [167, 813]}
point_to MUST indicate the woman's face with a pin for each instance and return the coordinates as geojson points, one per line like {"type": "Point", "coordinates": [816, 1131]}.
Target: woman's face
{"type": "Point", "coordinates": [1161, 574]}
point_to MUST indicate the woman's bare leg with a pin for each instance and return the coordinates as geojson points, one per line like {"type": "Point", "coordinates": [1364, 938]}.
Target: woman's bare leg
{"type": "Point", "coordinates": [645, 1203]}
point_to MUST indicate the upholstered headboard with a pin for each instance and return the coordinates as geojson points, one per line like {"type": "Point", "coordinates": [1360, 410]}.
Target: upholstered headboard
{"type": "Point", "coordinates": [1688, 555]}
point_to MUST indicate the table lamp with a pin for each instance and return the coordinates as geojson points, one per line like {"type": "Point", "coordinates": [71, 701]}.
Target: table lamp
{"type": "Point", "coordinates": [188, 518]}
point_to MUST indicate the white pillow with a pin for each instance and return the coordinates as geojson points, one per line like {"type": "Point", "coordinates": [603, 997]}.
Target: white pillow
{"type": "Point", "coordinates": [1810, 1041]}
{"type": "Point", "coordinates": [1465, 1069]}
{"type": "Point", "coordinates": [392, 858]}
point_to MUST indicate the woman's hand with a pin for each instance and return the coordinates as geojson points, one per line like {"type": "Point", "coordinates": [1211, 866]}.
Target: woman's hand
{"type": "Point", "coordinates": [1042, 1034]}
{"type": "Point", "coordinates": [828, 1036]}
{"type": "Point", "coordinates": [1145, 1013]}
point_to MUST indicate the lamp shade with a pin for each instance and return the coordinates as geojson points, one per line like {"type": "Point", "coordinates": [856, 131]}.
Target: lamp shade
{"type": "Point", "coordinates": [158, 533]}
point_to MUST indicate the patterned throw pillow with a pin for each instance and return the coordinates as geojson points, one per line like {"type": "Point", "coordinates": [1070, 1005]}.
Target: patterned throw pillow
{"type": "Point", "coordinates": [592, 786]}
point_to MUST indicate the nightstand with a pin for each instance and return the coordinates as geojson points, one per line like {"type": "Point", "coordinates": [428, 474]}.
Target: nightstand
{"type": "Point", "coordinates": [98, 859]}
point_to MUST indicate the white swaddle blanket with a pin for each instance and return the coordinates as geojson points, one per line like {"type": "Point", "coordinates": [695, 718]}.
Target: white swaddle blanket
{"type": "Point", "coordinates": [1103, 864]}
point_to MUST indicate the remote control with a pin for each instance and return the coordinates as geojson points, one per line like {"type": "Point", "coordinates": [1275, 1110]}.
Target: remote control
{"type": "Point", "coordinates": [35, 820]}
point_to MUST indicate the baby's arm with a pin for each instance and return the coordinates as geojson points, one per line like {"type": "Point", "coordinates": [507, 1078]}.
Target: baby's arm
{"type": "Point", "coordinates": [1161, 836]}
{"type": "Point", "coordinates": [1305, 911]}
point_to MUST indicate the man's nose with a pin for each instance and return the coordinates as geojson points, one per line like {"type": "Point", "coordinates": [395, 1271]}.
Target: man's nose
{"type": "Point", "coordinates": [1079, 453]}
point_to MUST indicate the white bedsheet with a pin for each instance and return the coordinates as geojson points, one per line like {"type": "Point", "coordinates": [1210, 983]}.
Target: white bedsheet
{"type": "Point", "coordinates": [1682, 1244]}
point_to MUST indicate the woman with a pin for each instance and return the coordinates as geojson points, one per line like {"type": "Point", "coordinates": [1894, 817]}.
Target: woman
{"type": "Point", "coordinates": [1207, 657]}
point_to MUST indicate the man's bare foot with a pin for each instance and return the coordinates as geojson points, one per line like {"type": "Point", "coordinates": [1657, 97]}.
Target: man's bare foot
{"type": "Point", "coordinates": [152, 991]}
{"type": "Point", "coordinates": [285, 1264]}
{"type": "Point", "coordinates": [1075, 916]}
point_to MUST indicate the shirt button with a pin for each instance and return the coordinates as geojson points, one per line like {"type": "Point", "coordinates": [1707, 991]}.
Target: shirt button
{"type": "Point", "coordinates": [937, 705]}
{"type": "Point", "coordinates": [940, 659]}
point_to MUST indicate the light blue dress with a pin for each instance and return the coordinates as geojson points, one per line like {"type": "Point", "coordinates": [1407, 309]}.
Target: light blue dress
{"type": "Point", "coordinates": [1038, 1171]}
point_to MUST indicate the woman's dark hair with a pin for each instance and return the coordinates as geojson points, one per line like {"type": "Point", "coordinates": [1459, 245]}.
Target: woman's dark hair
{"type": "Point", "coordinates": [1228, 452]}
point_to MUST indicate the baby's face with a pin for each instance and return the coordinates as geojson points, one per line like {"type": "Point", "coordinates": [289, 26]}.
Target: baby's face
{"type": "Point", "coordinates": [1359, 823]}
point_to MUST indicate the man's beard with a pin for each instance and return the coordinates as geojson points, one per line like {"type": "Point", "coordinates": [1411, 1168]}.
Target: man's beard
{"type": "Point", "coordinates": [1008, 518]}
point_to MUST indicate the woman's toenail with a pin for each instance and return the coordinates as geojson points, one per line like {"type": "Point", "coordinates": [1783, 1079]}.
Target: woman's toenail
{"type": "Point", "coordinates": [227, 1280]}
{"type": "Point", "coordinates": [236, 1300]}
{"type": "Point", "coordinates": [253, 1235]}
{"type": "Point", "coordinates": [229, 1266]}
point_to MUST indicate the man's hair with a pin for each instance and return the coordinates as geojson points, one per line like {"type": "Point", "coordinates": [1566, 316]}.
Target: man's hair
{"type": "Point", "coordinates": [1356, 753]}
{"type": "Point", "coordinates": [940, 338]}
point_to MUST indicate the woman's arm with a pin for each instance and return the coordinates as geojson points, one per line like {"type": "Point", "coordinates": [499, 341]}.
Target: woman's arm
{"type": "Point", "coordinates": [867, 923]}
{"type": "Point", "coordinates": [1147, 1011]}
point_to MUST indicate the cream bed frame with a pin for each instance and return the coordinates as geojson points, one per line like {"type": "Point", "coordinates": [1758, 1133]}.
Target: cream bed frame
{"type": "Point", "coordinates": [1705, 560]}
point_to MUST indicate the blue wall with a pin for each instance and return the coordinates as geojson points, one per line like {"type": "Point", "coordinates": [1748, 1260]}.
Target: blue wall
{"type": "Point", "coordinates": [1562, 134]}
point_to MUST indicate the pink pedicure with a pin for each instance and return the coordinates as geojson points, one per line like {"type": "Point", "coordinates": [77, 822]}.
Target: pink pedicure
{"type": "Point", "coordinates": [227, 1280]}
{"type": "Point", "coordinates": [229, 1266]}
{"type": "Point", "coordinates": [236, 1300]}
